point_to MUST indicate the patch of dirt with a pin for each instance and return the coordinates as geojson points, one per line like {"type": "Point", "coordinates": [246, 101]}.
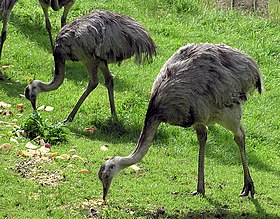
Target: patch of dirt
{"type": "Point", "coordinates": [34, 168]}
{"type": "Point", "coordinates": [258, 6]}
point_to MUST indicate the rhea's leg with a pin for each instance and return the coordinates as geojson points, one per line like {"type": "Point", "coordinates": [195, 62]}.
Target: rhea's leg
{"type": "Point", "coordinates": [109, 83]}
{"type": "Point", "coordinates": [239, 138]}
{"type": "Point", "coordinates": [67, 8]}
{"type": "Point", "coordinates": [201, 131]}
{"type": "Point", "coordinates": [230, 118]}
{"type": "Point", "coordinates": [92, 84]}
{"type": "Point", "coordinates": [4, 32]}
{"type": "Point", "coordinates": [48, 23]}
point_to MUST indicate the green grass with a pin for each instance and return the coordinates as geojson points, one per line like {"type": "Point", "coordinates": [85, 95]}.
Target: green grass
{"type": "Point", "coordinates": [168, 172]}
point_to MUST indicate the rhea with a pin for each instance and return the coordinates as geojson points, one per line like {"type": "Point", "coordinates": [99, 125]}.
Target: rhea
{"type": "Point", "coordinates": [199, 85]}
{"type": "Point", "coordinates": [55, 5]}
{"type": "Point", "coordinates": [96, 39]}
{"type": "Point", "coordinates": [6, 7]}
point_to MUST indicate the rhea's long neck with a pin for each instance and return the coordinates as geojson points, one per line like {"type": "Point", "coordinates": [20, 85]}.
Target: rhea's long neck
{"type": "Point", "coordinates": [59, 72]}
{"type": "Point", "coordinates": [144, 141]}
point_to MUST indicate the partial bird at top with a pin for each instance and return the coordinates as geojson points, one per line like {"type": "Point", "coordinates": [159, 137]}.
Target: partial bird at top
{"type": "Point", "coordinates": [6, 7]}
{"type": "Point", "coordinates": [55, 5]}
{"type": "Point", "coordinates": [96, 39]}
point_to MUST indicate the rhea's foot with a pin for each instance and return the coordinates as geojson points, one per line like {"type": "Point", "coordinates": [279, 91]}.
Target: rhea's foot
{"type": "Point", "coordinates": [248, 187]}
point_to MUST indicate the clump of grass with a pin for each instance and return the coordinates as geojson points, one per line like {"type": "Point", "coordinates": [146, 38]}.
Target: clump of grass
{"type": "Point", "coordinates": [35, 127]}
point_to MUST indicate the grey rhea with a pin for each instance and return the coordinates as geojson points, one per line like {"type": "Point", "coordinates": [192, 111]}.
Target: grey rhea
{"type": "Point", "coordinates": [6, 7]}
{"type": "Point", "coordinates": [55, 5]}
{"type": "Point", "coordinates": [96, 39]}
{"type": "Point", "coordinates": [201, 84]}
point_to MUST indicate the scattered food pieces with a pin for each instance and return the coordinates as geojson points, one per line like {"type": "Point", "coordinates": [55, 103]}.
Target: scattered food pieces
{"type": "Point", "coordinates": [35, 169]}
{"type": "Point", "coordinates": [31, 146]}
{"type": "Point", "coordinates": [41, 108]}
{"type": "Point", "coordinates": [63, 157]}
{"type": "Point", "coordinates": [5, 105]}
{"type": "Point", "coordinates": [76, 157]}
{"type": "Point", "coordinates": [104, 148]}
{"type": "Point", "coordinates": [72, 151]}
{"type": "Point", "coordinates": [84, 171]}
{"type": "Point", "coordinates": [4, 67]}
{"type": "Point", "coordinates": [135, 167]}
{"type": "Point", "coordinates": [49, 108]}
{"type": "Point", "coordinates": [44, 149]}
{"type": "Point", "coordinates": [47, 145]}
{"type": "Point", "coordinates": [6, 146]}
{"type": "Point", "coordinates": [20, 107]}
{"type": "Point", "coordinates": [6, 113]}
{"type": "Point", "coordinates": [45, 108]}
{"type": "Point", "coordinates": [28, 153]}
{"type": "Point", "coordinates": [90, 130]}
{"type": "Point", "coordinates": [12, 139]}
{"type": "Point", "coordinates": [92, 207]}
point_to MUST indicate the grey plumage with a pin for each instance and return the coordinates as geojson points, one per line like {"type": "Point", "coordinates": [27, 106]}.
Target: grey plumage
{"type": "Point", "coordinates": [55, 5]}
{"type": "Point", "coordinates": [96, 39]}
{"type": "Point", "coordinates": [6, 7]}
{"type": "Point", "coordinates": [201, 84]}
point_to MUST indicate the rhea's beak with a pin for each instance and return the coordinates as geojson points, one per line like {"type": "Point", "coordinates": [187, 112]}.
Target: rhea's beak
{"type": "Point", "coordinates": [31, 97]}
{"type": "Point", "coordinates": [33, 102]}
{"type": "Point", "coordinates": [106, 186]}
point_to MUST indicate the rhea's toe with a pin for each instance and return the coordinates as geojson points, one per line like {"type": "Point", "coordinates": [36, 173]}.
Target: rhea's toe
{"type": "Point", "coordinates": [198, 193]}
{"type": "Point", "coordinates": [248, 187]}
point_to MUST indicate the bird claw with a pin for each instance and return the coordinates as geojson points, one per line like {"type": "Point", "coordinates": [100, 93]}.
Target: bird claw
{"type": "Point", "coordinates": [248, 187]}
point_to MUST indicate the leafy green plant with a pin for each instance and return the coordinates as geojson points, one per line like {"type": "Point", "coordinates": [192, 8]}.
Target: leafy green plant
{"type": "Point", "coordinates": [34, 127]}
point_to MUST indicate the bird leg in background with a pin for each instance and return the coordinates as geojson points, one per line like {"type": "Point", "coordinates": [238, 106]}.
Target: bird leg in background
{"type": "Point", "coordinates": [239, 138]}
{"type": "Point", "coordinates": [92, 84]}
{"type": "Point", "coordinates": [109, 83]}
{"type": "Point", "coordinates": [4, 32]}
{"type": "Point", "coordinates": [201, 132]}
{"type": "Point", "coordinates": [67, 8]}
{"type": "Point", "coordinates": [48, 23]}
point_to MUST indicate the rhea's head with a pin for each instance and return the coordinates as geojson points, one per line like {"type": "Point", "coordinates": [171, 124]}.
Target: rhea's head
{"type": "Point", "coordinates": [107, 172]}
{"type": "Point", "coordinates": [31, 91]}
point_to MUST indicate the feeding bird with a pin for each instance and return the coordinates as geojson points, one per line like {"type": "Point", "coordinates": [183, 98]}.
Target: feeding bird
{"type": "Point", "coordinates": [55, 5]}
{"type": "Point", "coordinates": [6, 7]}
{"type": "Point", "coordinates": [96, 39]}
{"type": "Point", "coordinates": [199, 85]}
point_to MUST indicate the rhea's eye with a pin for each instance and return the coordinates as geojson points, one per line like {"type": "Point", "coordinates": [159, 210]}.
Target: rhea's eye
{"type": "Point", "coordinates": [112, 167]}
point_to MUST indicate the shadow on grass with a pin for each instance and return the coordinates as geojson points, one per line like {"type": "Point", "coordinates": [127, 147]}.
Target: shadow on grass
{"type": "Point", "coordinates": [221, 139]}
{"type": "Point", "coordinates": [76, 72]}
{"type": "Point", "coordinates": [11, 87]}
{"type": "Point", "coordinates": [116, 131]}
{"type": "Point", "coordinates": [33, 29]}
{"type": "Point", "coordinates": [220, 211]}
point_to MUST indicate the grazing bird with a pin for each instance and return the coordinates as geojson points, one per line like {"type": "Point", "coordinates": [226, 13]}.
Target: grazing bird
{"type": "Point", "coordinates": [201, 84]}
{"type": "Point", "coordinates": [55, 5]}
{"type": "Point", "coordinates": [96, 39]}
{"type": "Point", "coordinates": [6, 7]}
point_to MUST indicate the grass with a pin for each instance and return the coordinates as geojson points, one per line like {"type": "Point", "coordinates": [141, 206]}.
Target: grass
{"type": "Point", "coordinates": [168, 173]}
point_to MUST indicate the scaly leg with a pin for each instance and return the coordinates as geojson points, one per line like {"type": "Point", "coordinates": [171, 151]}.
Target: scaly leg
{"type": "Point", "coordinates": [109, 83]}
{"type": "Point", "coordinates": [6, 17]}
{"type": "Point", "coordinates": [201, 131]}
{"type": "Point", "coordinates": [239, 138]}
{"type": "Point", "coordinates": [92, 84]}
{"type": "Point", "coordinates": [48, 23]}
{"type": "Point", "coordinates": [230, 118]}
{"type": "Point", "coordinates": [67, 8]}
